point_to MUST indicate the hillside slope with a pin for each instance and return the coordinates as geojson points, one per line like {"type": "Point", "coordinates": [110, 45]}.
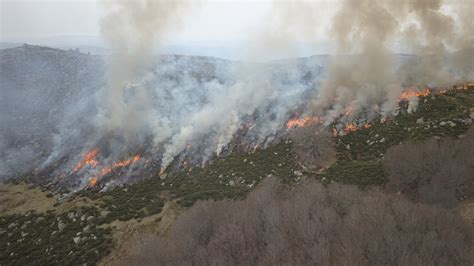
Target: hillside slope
{"type": "Point", "coordinates": [86, 226]}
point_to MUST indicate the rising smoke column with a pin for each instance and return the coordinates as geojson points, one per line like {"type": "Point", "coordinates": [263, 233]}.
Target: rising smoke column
{"type": "Point", "coordinates": [364, 75]}
{"type": "Point", "coordinates": [133, 29]}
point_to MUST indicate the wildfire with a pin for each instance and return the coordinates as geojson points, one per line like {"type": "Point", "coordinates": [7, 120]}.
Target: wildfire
{"type": "Point", "coordinates": [351, 127]}
{"type": "Point", "coordinates": [301, 122]}
{"type": "Point", "coordinates": [89, 159]}
{"type": "Point", "coordinates": [411, 93]}
{"type": "Point", "coordinates": [93, 181]}
{"type": "Point", "coordinates": [349, 111]}
{"type": "Point", "coordinates": [108, 169]}
{"type": "Point", "coordinates": [162, 172]}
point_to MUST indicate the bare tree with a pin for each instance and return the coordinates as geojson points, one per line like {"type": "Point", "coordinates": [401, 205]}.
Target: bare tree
{"type": "Point", "coordinates": [311, 224]}
{"type": "Point", "coordinates": [313, 147]}
{"type": "Point", "coordinates": [435, 171]}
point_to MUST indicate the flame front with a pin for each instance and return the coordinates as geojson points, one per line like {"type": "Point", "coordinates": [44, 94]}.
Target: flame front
{"type": "Point", "coordinates": [350, 127]}
{"type": "Point", "coordinates": [93, 181]}
{"type": "Point", "coordinates": [412, 93]}
{"type": "Point", "coordinates": [301, 122]}
{"type": "Point", "coordinates": [109, 169]}
{"type": "Point", "coordinates": [89, 159]}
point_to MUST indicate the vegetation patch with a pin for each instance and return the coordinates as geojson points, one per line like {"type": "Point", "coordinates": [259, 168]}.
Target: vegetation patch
{"type": "Point", "coordinates": [49, 238]}
{"type": "Point", "coordinates": [360, 153]}
{"type": "Point", "coordinates": [360, 173]}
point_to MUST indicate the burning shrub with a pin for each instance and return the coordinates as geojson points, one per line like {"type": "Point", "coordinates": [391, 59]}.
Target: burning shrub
{"type": "Point", "coordinates": [313, 224]}
{"type": "Point", "coordinates": [435, 172]}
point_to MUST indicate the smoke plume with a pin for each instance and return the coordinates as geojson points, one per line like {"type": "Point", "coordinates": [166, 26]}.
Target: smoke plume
{"type": "Point", "coordinates": [366, 74]}
{"type": "Point", "coordinates": [133, 30]}
{"type": "Point", "coordinates": [173, 108]}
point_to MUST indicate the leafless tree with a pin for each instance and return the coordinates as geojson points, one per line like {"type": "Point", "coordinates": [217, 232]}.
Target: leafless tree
{"type": "Point", "coordinates": [435, 171]}
{"type": "Point", "coordinates": [311, 224]}
{"type": "Point", "coordinates": [313, 147]}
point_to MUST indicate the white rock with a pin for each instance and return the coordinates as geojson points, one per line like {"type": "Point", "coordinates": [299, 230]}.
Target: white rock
{"type": "Point", "coordinates": [231, 183]}
{"type": "Point", "coordinates": [468, 121]}
{"type": "Point", "coordinates": [442, 124]}
{"type": "Point", "coordinates": [420, 121]}
{"type": "Point", "coordinates": [297, 173]}
{"type": "Point", "coordinates": [471, 116]}
{"type": "Point", "coordinates": [382, 140]}
{"type": "Point", "coordinates": [61, 226]}
{"type": "Point", "coordinates": [77, 240]}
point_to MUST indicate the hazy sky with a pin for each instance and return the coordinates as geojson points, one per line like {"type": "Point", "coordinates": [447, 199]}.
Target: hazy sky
{"type": "Point", "coordinates": [223, 20]}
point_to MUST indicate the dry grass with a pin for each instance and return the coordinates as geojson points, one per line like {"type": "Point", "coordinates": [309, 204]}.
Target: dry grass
{"type": "Point", "coordinates": [21, 199]}
{"type": "Point", "coordinates": [127, 233]}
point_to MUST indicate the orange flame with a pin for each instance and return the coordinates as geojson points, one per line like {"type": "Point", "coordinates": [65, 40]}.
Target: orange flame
{"type": "Point", "coordinates": [93, 181]}
{"type": "Point", "coordinates": [89, 159]}
{"type": "Point", "coordinates": [162, 172]}
{"type": "Point", "coordinates": [411, 93]}
{"type": "Point", "coordinates": [351, 127]}
{"type": "Point", "coordinates": [349, 111]}
{"type": "Point", "coordinates": [107, 170]}
{"type": "Point", "coordinates": [301, 122]}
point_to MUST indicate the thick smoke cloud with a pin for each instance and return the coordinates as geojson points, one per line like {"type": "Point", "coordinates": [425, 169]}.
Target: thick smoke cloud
{"type": "Point", "coordinates": [366, 75]}
{"type": "Point", "coordinates": [133, 30]}
{"type": "Point", "coordinates": [194, 108]}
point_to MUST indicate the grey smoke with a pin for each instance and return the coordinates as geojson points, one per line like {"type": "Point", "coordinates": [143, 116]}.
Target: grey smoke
{"type": "Point", "coordinates": [133, 30]}
{"type": "Point", "coordinates": [181, 107]}
{"type": "Point", "coordinates": [372, 77]}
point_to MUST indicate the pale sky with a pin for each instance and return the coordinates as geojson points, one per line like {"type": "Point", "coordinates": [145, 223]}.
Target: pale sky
{"type": "Point", "coordinates": [223, 20]}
